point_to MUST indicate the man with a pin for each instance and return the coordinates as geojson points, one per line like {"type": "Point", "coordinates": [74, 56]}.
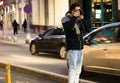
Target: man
{"type": "Point", "coordinates": [25, 25]}
{"type": "Point", "coordinates": [15, 27]}
{"type": "Point", "coordinates": [74, 41]}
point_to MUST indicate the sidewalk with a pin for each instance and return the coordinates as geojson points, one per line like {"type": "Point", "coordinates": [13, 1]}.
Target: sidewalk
{"type": "Point", "coordinates": [21, 36]}
{"type": "Point", "coordinates": [37, 73]}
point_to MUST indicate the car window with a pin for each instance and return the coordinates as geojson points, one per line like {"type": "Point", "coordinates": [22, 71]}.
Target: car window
{"type": "Point", "coordinates": [58, 31]}
{"type": "Point", "coordinates": [107, 35]}
{"type": "Point", "coordinates": [49, 32]}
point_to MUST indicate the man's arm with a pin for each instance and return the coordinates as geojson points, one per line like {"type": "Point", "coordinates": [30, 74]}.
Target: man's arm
{"type": "Point", "coordinates": [68, 22]}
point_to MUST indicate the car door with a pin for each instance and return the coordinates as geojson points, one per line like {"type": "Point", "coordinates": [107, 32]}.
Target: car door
{"type": "Point", "coordinates": [114, 53]}
{"type": "Point", "coordinates": [55, 40]}
{"type": "Point", "coordinates": [97, 56]}
{"type": "Point", "coordinates": [114, 58]}
{"type": "Point", "coordinates": [43, 41]}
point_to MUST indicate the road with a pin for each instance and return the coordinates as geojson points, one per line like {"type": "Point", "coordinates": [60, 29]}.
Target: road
{"type": "Point", "coordinates": [19, 54]}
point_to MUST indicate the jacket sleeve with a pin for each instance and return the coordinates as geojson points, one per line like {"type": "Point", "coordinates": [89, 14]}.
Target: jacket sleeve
{"type": "Point", "coordinates": [68, 22]}
{"type": "Point", "coordinates": [86, 25]}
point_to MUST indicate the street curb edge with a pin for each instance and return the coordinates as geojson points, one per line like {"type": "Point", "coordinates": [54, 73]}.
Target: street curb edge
{"type": "Point", "coordinates": [36, 72]}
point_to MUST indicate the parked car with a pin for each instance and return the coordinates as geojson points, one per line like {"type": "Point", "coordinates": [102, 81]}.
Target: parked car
{"type": "Point", "coordinates": [101, 50]}
{"type": "Point", "coordinates": [53, 40]}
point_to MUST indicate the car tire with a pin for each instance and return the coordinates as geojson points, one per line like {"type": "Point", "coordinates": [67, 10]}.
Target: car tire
{"type": "Point", "coordinates": [62, 52]}
{"type": "Point", "coordinates": [33, 49]}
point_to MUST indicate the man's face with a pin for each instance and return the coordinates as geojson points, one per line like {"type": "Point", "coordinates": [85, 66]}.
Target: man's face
{"type": "Point", "coordinates": [76, 12]}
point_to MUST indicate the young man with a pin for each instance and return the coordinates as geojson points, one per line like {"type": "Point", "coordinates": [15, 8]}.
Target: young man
{"type": "Point", "coordinates": [74, 41]}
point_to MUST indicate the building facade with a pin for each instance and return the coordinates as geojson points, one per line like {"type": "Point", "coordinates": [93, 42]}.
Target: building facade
{"type": "Point", "coordinates": [48, 13]}
{"type": "Point", "coordinates": [44, 13]}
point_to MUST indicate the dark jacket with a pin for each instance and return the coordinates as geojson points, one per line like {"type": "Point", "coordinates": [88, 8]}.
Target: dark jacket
{"type": "Point", "coordinates": [74, 41]}
{"type": "Point", "coordinates": [15, 24]}
{"type": "Point", "coordinates": [25, 24]}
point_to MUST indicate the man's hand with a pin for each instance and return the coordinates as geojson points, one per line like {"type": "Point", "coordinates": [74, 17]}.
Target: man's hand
{"type": "Point", "coordinates": [76, 14]}
{"type": "Point", "coordinates": [81, 17]}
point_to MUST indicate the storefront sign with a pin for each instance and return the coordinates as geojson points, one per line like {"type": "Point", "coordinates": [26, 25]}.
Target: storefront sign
{"type": "Point", "coordinates": [118, 4]}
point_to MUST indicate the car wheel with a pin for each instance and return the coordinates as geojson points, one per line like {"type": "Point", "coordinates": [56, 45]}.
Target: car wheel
{"type": "Point", "coordinates": [62, 52]}
{"type": "Point", "coordinates": [33, 49]}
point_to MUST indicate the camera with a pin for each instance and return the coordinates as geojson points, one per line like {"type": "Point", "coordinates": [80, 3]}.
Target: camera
{"type": "Point", "coordinates": [81, 12]}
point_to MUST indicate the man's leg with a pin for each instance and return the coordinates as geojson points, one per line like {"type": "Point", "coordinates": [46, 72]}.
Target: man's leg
{"type": "Point", "coordinates": [79, 66]}
{"type": "Point", "coordinates": [72, 60]}
{"type": "Point", "coordinates": [14, 32]}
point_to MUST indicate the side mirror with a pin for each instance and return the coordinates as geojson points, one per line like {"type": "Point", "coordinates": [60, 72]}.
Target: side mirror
{"type": "Point", "coordinates": [87, 42]}
{"type": "Point", "coordinates": [93, 42]}
{"type": "Point", "coordinates": [40, 35]}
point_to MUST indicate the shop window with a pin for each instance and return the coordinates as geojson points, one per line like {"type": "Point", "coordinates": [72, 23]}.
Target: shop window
{"type": "Point", "coordinates": [101, 10]}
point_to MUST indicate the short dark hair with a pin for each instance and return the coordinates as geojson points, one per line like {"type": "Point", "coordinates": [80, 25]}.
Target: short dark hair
{"type": "Point", "coordinates": [72, 6]}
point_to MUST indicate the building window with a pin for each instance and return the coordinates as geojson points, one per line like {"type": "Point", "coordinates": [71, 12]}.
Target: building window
{"type": "Point", "coordinates": [101, 11]}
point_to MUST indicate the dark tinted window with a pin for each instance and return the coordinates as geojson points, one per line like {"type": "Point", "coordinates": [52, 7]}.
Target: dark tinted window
{"type": "Point", "coordinates": [58, 31]}
{"type": "Point", "coordinates": [49, 32]}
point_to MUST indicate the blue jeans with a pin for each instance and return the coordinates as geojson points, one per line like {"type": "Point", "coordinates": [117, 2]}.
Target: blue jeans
{"type": "Point", "coordinates": [75, 58]}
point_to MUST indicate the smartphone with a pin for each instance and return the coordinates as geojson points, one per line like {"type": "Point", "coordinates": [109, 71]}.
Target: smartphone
{"type": "Point", "coordinates": [81, 12]}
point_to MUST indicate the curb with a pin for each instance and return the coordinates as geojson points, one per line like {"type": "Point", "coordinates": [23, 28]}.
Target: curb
{"type": "Point", "coordinates": [36, 72]}
{"type": "Point", "coordinates": [10, 38]}
{"type": "Point", "coordinates": [41, 73]}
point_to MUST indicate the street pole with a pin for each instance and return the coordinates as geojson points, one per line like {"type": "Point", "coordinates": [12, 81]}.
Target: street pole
{"type": "Point", "coordinates": [3, 10]}
{"type": "Point", "coordinates": [113, 11]}
{"type": "Point", "coordinates": [102, 12]}
{"type": "Point", "coordinates": [8, 75]}
{"type": "Point", "coordinates": [28, 36]}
